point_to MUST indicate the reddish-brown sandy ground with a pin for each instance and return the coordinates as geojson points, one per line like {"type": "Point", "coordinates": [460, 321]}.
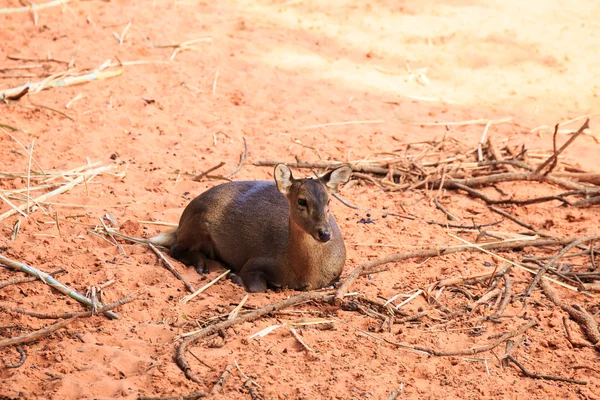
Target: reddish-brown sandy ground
{"type": "Point", "coordinates": [272, 69]}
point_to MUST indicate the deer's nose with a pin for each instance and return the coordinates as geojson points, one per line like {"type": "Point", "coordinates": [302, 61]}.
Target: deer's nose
{"type": "Point", "coordinates": [324, 235]}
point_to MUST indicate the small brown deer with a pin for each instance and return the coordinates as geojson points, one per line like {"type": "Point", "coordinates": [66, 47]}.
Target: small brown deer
{"type": "Point", "coordinates": [278, 234]}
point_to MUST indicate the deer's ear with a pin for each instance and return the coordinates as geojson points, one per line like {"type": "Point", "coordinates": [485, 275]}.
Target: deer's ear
{"type": "Point", "coordinates": [283, 178]}
{"type": "Point", "coordinates": [333, 179]}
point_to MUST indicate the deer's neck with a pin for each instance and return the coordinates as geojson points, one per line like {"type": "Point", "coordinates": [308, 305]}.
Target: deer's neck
{"type": "Point", "coordinates": [304, 255]}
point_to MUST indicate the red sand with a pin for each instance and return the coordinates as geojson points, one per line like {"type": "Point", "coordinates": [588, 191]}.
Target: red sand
{"type": "Point", "coordinates": [271, 69]}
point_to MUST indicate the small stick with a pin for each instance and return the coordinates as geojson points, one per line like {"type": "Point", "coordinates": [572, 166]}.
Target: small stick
{"type": "Point", "coordinates": [554, 157]}
{"type": "Point", "coordinates": [49, 109]}
{"type": "Point", "coordinates": [29, 176]}
{"type": "Point", "coordinates": [203, 288]}
{"type": "Point", "coordinates": [482, 141]}
{"type": "Point", "coordinates": [411, 318]}
{"type": "Point", "coordinates": [458, 226]}
{"type": "Point", "coordinates": [22, 279]}
{"type": "Point", "coordinates": [172, 269]}
{"type": "Point", "coordinates": [443, 209]}
{"type": "Point", "coordinates": [52, 282]}
{"type": "Point", "coordinates": [57, 224]}
{"type": "Point", "coordinates": [2, 126]}
{"type": "Point", "coordinates": [219, 385]}
{"type": "Point", "coordinates": [251, 316]}
{"type": "Point", "coordinates": [198, 178]}
{"type": "Point", "coordinates": [21, 361]}
{"type": "Point", "coordinates": [243, 159]}
{"type": "Point", "coordinates": [570, 338]}
{"type": "Point", "coordinates": [237, 309]}
{"type": "Point", "coordinates": [378, 121]}
{"type": "Point", "coordinates": [37, 335]}
{"type": "Point", "coordinates": [437, 252]}
{"type": "Point", "coordinates": [480, 121]}
{"type": "Point", "coordinates": [214, 86]}
{"type": "Point", "coordinates": [71, 314]}
{"type": "Point", "coordinates": [484, 299]}
{"type": "Point", "coordinates": [513, 219]}
{"type": "Point", "coordinates": [299, 339]}
{"type": "Point", "coordinates": [544, 377]}
{"type": "Point", "coordinates": [555, 259]}
{"type": "Point", "coordinates": [394, 395]}
{"type": "Point", "coordinates": [505, 297]}
{"type": "Point", "coordinates": [189, 396]}
{"type": "Point", "coordinates": [481, 349]}
{"type": "Point", "coordinates": [584, 319]}
{"type": "Point", "coordinates": [59, 190]}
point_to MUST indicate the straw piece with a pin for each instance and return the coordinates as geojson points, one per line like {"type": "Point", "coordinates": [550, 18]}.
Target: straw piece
{"type": "Point", "coordinates": [203, 288]}
{"type": "Point", "coordinates": [61, 81]}
{"type": "Point", "coordinates": [61, 189]}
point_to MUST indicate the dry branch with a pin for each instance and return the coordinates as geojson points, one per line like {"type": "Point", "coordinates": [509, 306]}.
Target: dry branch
{"type": "Point", "coordinates": [475, 350]}
{"type": "Point", "coordinates": [180, 358]}
{"type": "Point", "coordinates": [219, 385]}
{"type": "Point", "coordinates": [557, 257]}
{"type": "Point", "coordinates": [37, 335]}
{"type": "Point", "coordinates": [554, 158]}
{"type": "Point", "coordinates": [189, 396]}
{"type": "Point", "coordinates": [39, 315]}
{"type": "Point", "coordinates": [544, 377]}
{"type": "Point", "coordinates": [243, 159]}
{"type": "Point", "coordinates": [172, 269]}
{"type": "Point", "coordinates": [23, 279]}
{"type": "Point", "coordinates": [437, 252]}
{"type": "Point", "coordinates": [23, 355]}
{"type": "Point", "coordinates": [582, 317]}
{"type": "Point", "coordinates": [17, 266]}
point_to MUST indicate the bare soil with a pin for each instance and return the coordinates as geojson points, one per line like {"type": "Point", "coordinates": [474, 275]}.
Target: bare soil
{"type": "Point", "coordinates": [271, 71]}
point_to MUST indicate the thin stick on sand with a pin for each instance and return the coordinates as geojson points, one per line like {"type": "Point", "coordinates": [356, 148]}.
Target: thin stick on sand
{"type": "Point", "coordinates": [344, 123]}
{"type": "Point", "coordinates": [37, 335]}
{"type": "Point", "coordinates": [481, 121]}
{"type": "Point", "coordinates": [170, 267]}
{"type": "Point", "coordinates": [18, 266]}
{"type": "Point", "coordinates": [29, 176]}
{"type": "Point", "coordinates": [203, 288]}
{"type": "Point", "coordinates": [49, 83]}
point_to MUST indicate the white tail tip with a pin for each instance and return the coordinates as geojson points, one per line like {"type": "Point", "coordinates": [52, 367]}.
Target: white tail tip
{"type": "Point", "coordinates": [165, 239]}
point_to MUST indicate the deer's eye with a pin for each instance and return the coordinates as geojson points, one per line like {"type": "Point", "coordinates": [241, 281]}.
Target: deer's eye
{"type": "Point", "coordinates": [302, 202]}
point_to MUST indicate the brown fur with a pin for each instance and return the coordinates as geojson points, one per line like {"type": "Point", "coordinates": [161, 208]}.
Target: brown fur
{"type": "Point", "coordinates": [261, 232]}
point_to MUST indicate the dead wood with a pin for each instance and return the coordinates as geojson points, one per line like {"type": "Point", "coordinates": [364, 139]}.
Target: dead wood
{"type": "Point", "coordinates": [219, 385]}
{"type": "Point", "coordinates": [180, 358]}
{"type": "Point", "coordinates": [443, 209]}
{"type": "Point", "coordinates": [570, 338]}
{"type": "Point", "coordinates": [582, 317]}
{"type": "Point", "coordinates": [37, 335]}
{"type": "Point", "coordinates": [437, 252]}
{"type": "Point", "coordinates": [82, 314]}
{"type": "Point", "coordinates": [199, 177]}
{"type": "Point", "coordinates": [481, 349]}
{"type": "Point", "coordinates": [23, 279]}
{"type": "Point", "coordinates": [544, 377]}
{"type": "Point", "coordinates": [243, 159]}
{"type": "Point", "coordinates": [21, 361]}
{"type": "Point", "coordinates": [557, 257]}
{"type": "Point", "coordinates": [506, 296]}
{"type": "Point", "coordinates": [189, 396]}
{"type": "Point", "coordinates": [554, 158]}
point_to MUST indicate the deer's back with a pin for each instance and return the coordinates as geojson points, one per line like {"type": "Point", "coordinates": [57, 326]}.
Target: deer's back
{"type": "Point", "coordinates": [244, 220]}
